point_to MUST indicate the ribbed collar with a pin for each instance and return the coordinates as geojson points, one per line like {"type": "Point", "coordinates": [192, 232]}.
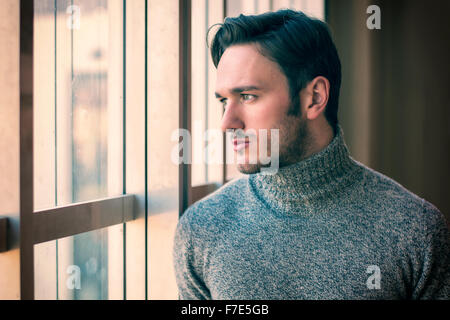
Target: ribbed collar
{"type": "Point", "coordinates": [308, 185]}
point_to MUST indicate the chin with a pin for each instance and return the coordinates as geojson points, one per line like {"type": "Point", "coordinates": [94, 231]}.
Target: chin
{"type": "Point", "coordinates": [249, 168]}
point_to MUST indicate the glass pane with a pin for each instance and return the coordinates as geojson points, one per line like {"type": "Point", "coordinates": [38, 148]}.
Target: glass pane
{"type": "Point", "coordinates": [88, 266]}
{"type": "Point", "coordinates": [206, 113]}
{"type": "Point", "coordinates": [45, 262]}
{"type": "Point", "coordinates": [45, 271]}
{"type": "Point", "coordinates": [91, 265]}
{"type": "Point", "coordinates": [315, 8]}
{"type": "Point", "coordinates": [89, 124]}
{"type": "Point", "coordinates": [44, 105]}
{"type": "Point", "coordinates": [78, 100]}
{"type": "Point", "coordinates": [78, 135]}
{"type": "Point", "coordinates": [162, 122]}
{"type": "Point", "coordinates": [135, 151]}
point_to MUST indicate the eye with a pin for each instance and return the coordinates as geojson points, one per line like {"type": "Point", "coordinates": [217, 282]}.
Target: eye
{"type": "Point", "coordinates": [248, 97]}
{"type": "Point", "coordinates": [223, 101]}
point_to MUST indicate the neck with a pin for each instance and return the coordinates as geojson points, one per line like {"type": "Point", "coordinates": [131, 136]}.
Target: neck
{"type": "Point", "coordinates": [318, 138]}
{"type": "Point", "coordinates": [310, 182]}
{"type": "Point", "coordinates": [322, 136]}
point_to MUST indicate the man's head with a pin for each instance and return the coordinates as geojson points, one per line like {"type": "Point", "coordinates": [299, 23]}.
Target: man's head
{"type": "Point", "coordinates": [279, 70]}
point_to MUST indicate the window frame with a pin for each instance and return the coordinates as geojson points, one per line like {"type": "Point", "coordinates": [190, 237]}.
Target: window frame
{"type": "Point", "coordinates": [45, 225]}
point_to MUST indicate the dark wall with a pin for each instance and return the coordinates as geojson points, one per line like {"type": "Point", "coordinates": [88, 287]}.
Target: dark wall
{"type": "Point", "coordinates": [394, 105]}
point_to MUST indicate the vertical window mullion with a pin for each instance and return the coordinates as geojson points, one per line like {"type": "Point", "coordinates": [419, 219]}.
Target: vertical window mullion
{"type": "Point", "coordinates": [124, 132]}
{"type": "Point", "coordinates": [56, 134]}
{"type": "Point", "coordinates": [26, 150]}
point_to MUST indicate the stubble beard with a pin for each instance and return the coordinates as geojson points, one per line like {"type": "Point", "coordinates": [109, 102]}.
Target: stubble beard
{"type": "Point", "coordinates": [294, 139]}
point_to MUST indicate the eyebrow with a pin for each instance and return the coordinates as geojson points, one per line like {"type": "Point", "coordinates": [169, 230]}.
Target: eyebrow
{"type": "Point", "coordinates": [239, 90]}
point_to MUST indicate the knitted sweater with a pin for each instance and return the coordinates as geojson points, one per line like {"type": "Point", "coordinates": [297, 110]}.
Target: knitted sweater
{"type": "Point", "coordinates": [327, 227]}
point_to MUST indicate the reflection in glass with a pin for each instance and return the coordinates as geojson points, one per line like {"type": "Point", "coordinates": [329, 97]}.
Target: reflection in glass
{"type": "Point", "coordinates": [89, 136]}
{"type": "Point", "coordinates": [90, 265]}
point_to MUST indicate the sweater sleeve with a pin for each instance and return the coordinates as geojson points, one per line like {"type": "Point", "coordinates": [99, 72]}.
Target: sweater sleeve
{"type": "Point", "coordinates": [434, 280]}
{"type": "Point", "coordinates": [187, 263]}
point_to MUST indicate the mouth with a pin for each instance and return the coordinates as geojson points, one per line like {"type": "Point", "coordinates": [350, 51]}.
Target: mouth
{"type": "Point", "coordinates": [239, 144]}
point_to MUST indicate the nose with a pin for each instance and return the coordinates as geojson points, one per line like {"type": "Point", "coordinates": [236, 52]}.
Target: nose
{"type": "Point", "coordinates": [231, 119]}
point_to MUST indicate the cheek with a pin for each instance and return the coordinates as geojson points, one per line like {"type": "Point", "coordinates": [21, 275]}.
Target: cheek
{"type": "Point", "coordinates": [283, 136]}
{"type": "Point", "coordinates": [288, 129]}
{"type": "Point", "coordinates": [269, 114]}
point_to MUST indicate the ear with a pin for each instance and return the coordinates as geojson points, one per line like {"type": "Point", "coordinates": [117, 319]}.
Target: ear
{"type": "Point", "coordinates": [316, 97]}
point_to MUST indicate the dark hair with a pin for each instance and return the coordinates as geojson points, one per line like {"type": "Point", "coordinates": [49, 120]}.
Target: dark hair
{"type": "Point", "coordinates": [300, 45]}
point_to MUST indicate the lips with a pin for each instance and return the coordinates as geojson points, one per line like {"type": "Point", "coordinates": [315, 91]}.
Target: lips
{"type": "Point", "coordinates": [239, 144]}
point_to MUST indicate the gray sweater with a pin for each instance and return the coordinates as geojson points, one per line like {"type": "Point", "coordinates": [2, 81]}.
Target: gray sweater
{"type": "Point", "coordinates": [326, 227]}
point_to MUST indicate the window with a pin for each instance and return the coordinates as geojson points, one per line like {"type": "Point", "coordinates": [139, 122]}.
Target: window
{"type": "Point", "coordinates": [78, 142]}
{"type": "Point", "coordinates": [315, 8]}
{"type": "Point", "coordinates": [99, 198]}
{"type": "Point", "coordinates": [103, 123]}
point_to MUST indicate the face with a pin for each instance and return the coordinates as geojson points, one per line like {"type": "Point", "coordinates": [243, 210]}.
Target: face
{"type": "Point", "coordinates": [255, 95]}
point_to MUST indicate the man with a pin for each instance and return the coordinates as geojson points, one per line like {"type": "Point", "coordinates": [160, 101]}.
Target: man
{"type": "Point", "coordinates": [323, 226]}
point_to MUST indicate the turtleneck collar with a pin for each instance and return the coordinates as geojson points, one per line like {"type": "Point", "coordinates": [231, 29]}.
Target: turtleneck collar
{"type": "Point", "coordinates": [307, 185]}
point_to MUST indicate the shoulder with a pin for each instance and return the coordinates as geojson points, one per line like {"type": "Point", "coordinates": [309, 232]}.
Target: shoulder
{"type": "Point", "coordinates": [383, 192]}
{"type": "Point", "coordinates": [225, 195]}
{"type": "Point", "coordinates": [209, 215]}
{"type": "Point", "coordinates": [396, 204]}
